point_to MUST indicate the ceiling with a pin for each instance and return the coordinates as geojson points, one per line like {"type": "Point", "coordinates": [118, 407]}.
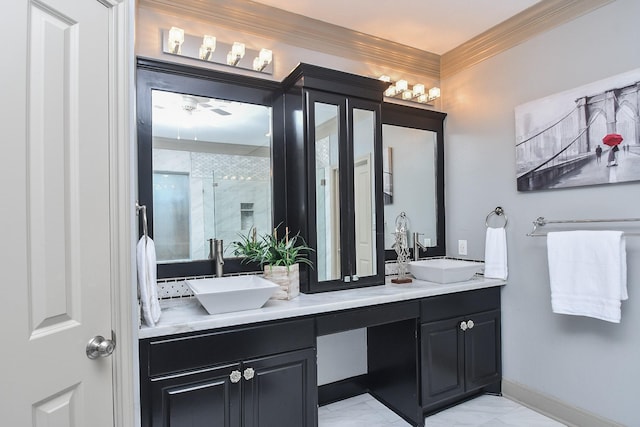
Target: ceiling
{"type": "Point", "coordinates": [435, 26]}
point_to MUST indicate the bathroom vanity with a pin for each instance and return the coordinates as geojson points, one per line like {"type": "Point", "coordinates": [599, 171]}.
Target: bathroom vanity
{"type": "Point", "coordinates": [318, 170]}
{"type": "Point", "coordinates": [429, 346]}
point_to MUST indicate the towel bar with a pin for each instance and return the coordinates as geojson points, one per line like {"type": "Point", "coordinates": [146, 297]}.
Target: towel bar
{"type": "Point", "coordinates": [143, 209]}
{"type": "Point", "coordinates": [541, 222]}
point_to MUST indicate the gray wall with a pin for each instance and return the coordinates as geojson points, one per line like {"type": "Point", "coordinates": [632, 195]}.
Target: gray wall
{"type": "Point", "coordinates": [582, 362]}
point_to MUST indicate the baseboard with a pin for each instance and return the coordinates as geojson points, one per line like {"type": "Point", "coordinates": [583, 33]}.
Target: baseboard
{"type": "Point", "coordinates": [553, 408]}
{"type": "Point", "coordinates": [343, 389]}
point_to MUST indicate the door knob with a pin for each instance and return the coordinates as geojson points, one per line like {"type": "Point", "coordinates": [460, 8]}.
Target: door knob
{"type": "Point", "coordinates": [470, 324]}
{"type": "Point", "coordinates": [235, 376]}
{"type": "Point", "coordinates": [100, 346]}
{"type": "Point", "coordinates": [463, 325]}
{"type": "Point", "coordinates": [249, 373]}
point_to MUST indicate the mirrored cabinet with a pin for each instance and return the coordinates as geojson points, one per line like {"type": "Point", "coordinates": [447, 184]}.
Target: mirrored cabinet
{"type": "Point", "coordinates": [334, 161]}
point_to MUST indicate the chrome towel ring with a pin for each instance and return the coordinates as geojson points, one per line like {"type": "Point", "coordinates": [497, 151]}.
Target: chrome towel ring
{"type": "Point", "coordinates": [498, 211]}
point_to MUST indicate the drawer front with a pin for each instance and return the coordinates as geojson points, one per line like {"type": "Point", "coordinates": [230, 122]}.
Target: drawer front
{"type": "Point", "coordinates": [459, 304]}
{"type": "Point", "coordinates": [366, 316]}
{"type": "Point", "coordinates": [164, 356]}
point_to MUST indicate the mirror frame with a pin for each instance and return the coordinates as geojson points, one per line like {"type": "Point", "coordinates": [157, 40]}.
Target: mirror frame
{"type": "Point", "coordinates": [420, 118]}
{"type": "Point", "coordinates": [172, 77]}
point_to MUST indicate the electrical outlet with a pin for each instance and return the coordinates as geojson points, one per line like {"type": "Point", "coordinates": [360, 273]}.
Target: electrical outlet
{"type": "Point", "coordinates": [462, 247]}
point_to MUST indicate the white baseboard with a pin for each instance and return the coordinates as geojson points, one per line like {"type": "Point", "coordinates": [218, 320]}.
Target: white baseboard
{"type": "Point", "coordinates": [553, 408]}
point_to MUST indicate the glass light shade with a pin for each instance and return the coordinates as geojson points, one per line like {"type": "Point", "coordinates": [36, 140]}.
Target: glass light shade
{"type": "Point", "coordinates": [176, 38]}
{"type": "Point", "coordinates": [418, 89]}
{"type": "Point", "coordinates": [434, 92]}
{"type": "Point", "coordinates": [422, 98]}
{"type": "Point", "coordinates": [266, 56]}
{"type": "Point", "coordinates": [237, 50]}
{"type": "Point", "coordinates": [402, 85]}
{"type": "Point", "coordinates": [391, 91]}
{"type": "Point", "coordinates": [209, 42]}
{"type": "Point", "coordinates": [407, 94]}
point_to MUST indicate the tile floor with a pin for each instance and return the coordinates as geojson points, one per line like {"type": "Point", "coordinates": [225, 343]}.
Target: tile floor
{"type": "Point", "coordinates": [483, 411]}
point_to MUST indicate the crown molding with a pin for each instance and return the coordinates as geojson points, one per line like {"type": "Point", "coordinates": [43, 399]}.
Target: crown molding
{"type": "Point", "coordinates": [308, 33]}
{"type": "Point", "coordinates": [540, 17]}
{"type": "Point", "coordinates": [304, 32]}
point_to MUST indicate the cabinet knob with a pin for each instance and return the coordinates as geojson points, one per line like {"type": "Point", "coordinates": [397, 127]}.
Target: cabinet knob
{"type": "Point", "coordinates": [235, 376]}
{"type": "Point", "coordinates": [249, 373]}
{"type": "Point", "coordinates": [463, 325]}
{"type": "Point", "coordinates": [470, 324]}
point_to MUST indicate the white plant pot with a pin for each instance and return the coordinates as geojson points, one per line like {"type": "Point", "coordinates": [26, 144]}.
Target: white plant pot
{"type": "Point", "coordinates": [288, 278]}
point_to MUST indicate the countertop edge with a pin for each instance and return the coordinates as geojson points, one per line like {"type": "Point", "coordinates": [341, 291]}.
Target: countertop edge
{"type": "Point", "coordinates": [186, 315]}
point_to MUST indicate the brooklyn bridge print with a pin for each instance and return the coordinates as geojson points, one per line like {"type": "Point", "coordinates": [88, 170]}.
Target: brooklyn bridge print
{"type": "Point", "coordinates": [585, 136]}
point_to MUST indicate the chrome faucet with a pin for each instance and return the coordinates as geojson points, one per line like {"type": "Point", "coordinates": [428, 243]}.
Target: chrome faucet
{"type": "Point", "coordinates": [216, 252]}
{"type": "Point", "coordinates": [417, 246]}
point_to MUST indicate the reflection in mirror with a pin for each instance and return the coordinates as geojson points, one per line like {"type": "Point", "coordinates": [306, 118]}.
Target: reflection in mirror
{"type": "Point", "coordinates": [364, 191]}
{"type": "Point", "coordinates": [211, 173]}
{"type": "Point", "coordinates": [409, 168]}
{"type": "Point", "coordinates": [327, 191]}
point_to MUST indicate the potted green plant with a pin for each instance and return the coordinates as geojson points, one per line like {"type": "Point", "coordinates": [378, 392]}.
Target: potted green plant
{"type": "Point", "coordinates": [280, 258]}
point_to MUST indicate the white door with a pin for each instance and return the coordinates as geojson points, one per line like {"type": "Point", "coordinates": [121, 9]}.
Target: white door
{"type": "Point", "coordinates": [364, 217]}
{"type": "Point", "coordinates": [55, 218]}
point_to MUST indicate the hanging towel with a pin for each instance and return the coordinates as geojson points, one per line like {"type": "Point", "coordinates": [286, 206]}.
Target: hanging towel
{"type": "Point", "coordinates": [147, 287]}
{"type": "Point", "coordinates": [495, 254]}
{"type": "Point", "coordinates": [588, 273]}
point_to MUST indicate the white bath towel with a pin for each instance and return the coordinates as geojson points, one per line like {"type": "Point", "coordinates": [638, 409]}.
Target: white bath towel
{"type": "Point", "coordinates": [147, 274]}
{"type": "Point", "coordinates": [588, 273]}
{"type": "Point", "coordinates": [495, 254]}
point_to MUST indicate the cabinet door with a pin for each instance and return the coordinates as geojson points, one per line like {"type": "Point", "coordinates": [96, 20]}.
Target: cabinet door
{"type": "Point", "coordinates": [206, 398]}
{"type": "Point", "coordinates": [344, 146]}
{"type": "Point", "coordinates": [482, 350]}
{"type": "Point", "coordinates": [442, 345]}
{"type": "Point", "coordinates": [281, 390]}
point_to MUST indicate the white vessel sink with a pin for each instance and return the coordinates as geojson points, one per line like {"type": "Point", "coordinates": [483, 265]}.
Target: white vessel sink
{"type": "Point", "coordinates": [226, 294]}
{"type": "Point", "coordinates": [443, 270]}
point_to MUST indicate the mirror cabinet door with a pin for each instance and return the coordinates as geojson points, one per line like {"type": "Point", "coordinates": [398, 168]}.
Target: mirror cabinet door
{"type": "Point", "coordinates": [327, 190]}
{"type": "Point", "coordinates": [409, 164]}
{"type": "Point", "coordinates": [413, 177]}
{"type": "Point", "coordinates": [364, 189]}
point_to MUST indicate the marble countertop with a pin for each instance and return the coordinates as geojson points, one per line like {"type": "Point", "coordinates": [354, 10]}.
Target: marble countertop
{"type": "Point", "coordinates": [187, 315]}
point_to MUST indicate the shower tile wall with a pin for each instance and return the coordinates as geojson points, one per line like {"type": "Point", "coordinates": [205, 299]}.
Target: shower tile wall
{"type": "Point", "coordinates": [219, 183]}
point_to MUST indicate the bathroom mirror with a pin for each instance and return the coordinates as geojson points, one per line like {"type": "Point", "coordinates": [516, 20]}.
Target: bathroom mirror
{"type": "Point", "coordinates": [413, 175]}
{"type": "Point", "coordinates": [205, 163]}
{"type": "Point", "coordinates": [211, 173]}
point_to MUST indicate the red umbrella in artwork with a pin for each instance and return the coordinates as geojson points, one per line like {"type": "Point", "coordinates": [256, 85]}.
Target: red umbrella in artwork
{"type": "Point", "coordinates": [612, 139]}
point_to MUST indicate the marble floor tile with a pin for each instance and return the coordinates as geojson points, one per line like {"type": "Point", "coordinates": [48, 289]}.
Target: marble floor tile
{"type": "Point", "coordinates": [483, 411]}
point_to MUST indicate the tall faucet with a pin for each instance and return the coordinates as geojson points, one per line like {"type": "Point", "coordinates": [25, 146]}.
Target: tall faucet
{"type": "Point", "coordinates": [216, 252]}
{"type": "Point", "coordinates": [417, 246]}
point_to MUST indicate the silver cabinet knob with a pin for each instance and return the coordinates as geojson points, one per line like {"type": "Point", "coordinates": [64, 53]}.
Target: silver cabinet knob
{"type": "Point", "coordinates": [100, 346]}
{"type": "Point", "coordinates": [463, 325]}
{"type": "Point", "coordinates": [470, 324]}
{"type": "Point", "coordinates": [249, 373]}
{"type": "Point", "coordinates": [235, 376]}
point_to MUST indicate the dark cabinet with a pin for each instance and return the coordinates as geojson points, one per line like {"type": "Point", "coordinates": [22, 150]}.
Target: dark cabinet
{"type": "Point", "coordinates": [333, 136]}
{"type": "Point", "coordinates": [460, 355]}
{"type": "Point", "coordinates": [186, 381]}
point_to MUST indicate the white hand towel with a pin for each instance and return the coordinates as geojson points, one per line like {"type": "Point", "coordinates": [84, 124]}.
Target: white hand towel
{"type": "Point", "coordinates": [588, 273]}
{"type": "Point", "coordinates": [147, 286]}
{"type": "Point", "coordinates": [495, 254]}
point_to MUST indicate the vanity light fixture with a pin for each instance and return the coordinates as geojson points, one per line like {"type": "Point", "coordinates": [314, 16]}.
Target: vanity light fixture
{"type": "Point", "coordinates": [176, 38]}
{"type": "Point", "coordinates": [207, 48]}
{"type": "Point", "coordinates": [263, 59]}
{"type": "Point", "coordinates": [235, 54]}
{"type": "Point", "coordinates": [417, 93]}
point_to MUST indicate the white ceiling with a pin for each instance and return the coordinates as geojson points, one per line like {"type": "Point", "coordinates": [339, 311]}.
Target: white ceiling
{"type": "Point", "coordinates": [435, 26]}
